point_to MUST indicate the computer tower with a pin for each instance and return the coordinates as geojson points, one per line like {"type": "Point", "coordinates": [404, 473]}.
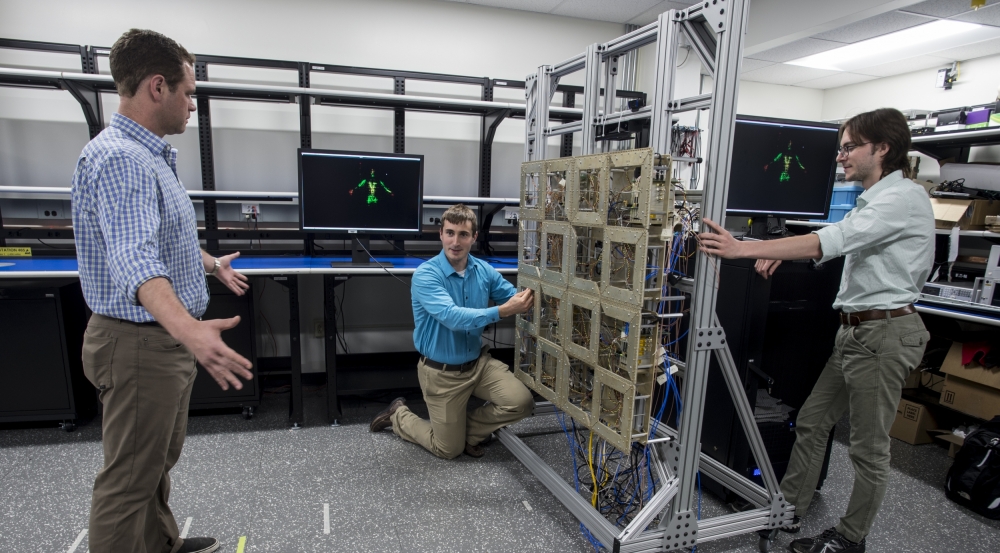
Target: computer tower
{"type": "Point", "coordinates": [41, 340]}
{"type": "Point", "coordinates": [242, 338]}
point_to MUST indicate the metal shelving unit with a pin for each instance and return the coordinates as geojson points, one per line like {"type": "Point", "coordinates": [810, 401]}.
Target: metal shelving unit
{"type": "Point", "coordinates": [87, 86]}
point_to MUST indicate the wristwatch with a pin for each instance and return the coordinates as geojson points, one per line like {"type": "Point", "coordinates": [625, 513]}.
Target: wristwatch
{"type": "Point", "coordinates": [216, 268]}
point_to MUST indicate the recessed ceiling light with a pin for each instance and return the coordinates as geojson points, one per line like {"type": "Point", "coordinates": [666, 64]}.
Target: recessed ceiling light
{"type": "Point", "coordinates": [909, 43]}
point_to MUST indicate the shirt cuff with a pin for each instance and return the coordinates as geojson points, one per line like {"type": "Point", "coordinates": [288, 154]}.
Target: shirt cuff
{"type": "Point", "coordinates": [831, 242]}
{"type": "Point", "coordinates": [143, 276]}
{"type": "Point", "coordinates": [495, 314]}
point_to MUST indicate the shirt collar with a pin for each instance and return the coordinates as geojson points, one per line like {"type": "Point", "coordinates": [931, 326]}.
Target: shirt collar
{"type": "Point", "coordinates": [868, 195]}
{"type": "Point", "coordinates": [143, 136]}
{"type": "Point", "coordinates": [442, 261]}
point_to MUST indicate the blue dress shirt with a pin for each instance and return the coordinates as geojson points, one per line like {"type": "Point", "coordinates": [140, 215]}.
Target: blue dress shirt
{"type": "Point", "coordinates": [134, 221]}
{"type": "Point", "coordinates": [450, 311]}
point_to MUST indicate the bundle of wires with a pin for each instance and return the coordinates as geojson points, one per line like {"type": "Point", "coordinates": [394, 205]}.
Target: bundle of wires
{"type": "Point", "coordinates": [619, 483]}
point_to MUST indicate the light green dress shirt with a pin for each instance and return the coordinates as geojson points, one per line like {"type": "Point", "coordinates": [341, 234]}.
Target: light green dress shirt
{"type": "Point", "coordinates": [888, 245]}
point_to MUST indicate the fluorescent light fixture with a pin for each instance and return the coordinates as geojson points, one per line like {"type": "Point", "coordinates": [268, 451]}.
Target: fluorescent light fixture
{"type": "Point", "coordinates": [908, 43]}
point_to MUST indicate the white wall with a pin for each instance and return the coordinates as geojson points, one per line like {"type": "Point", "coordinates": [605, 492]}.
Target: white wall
{"type": "Point", "coordinates": [42, 132]}
{"type": "Point", "coordinates": [977, 84]}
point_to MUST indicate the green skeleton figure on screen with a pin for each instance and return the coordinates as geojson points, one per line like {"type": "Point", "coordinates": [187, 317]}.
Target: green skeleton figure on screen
{"type": "Point", "coordinates": [788, 158]}
{"type": "Point", "coordinates": [373, 185]}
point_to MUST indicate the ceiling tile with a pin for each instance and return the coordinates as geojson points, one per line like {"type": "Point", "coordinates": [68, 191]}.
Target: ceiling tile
{"type": "Point", "coordinates": [970, 51]}
{"type": "Point", "coordinates": [833, 81]}
{"type": "Point", "coordinates": [872, 27]}
{"type": "Point", "coordinates": [541, 6]}
{"type": "Point", "coordinates": [781, 73]}
{"type": "Point", "coordinates": [750, 64]}
{"type": "Point", "coordinates": [651, 14]}
{"type": "Point", "coordinates": [904, 66]}
{"type": "Point", "coordinates": [618, 11]}
{"type": "Point", "coordinates": [943, 8]}
{"type": "Point", "coordinates": [990, 15]}
{"type": "Point", "coordinates": [796, 50]}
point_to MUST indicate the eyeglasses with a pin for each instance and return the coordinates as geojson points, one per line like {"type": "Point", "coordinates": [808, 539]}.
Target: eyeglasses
{"type": "Point", "coordinates": [846, 149]}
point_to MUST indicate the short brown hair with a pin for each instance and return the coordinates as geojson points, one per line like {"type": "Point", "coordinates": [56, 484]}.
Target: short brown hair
{"type": "Point", "coordinates": [458, 214]}
{"type": "Point", "coordinates": [883, 126]}
{"type": "Point", "coordinates": [140, 53]}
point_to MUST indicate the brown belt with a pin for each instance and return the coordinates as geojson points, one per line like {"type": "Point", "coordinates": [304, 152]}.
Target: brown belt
{"type": "Point", "coordinates": [446, 367]}
{"type": "Point", "coordinates": [854, 319]}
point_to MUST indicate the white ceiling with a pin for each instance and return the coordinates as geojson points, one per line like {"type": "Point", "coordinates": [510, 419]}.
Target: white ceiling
{"type": "Point", "coordinates": [783, 30]}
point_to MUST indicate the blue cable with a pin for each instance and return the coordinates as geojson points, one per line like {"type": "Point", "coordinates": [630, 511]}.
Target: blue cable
{"type": "Point", "coordinates": [576, 482]}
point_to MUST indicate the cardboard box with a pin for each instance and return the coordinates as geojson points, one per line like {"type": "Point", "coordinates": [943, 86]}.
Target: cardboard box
{"type": "Point", "coordinates": [913, 420]}
{"type": "Point", "coordinates": [973, 372]}
{"type": "Point", "coordinates": [954, 442]}
{"type": "Point", "coordinates": [970, 397]}
{"type": "Point", "coordinates": [966, 214]}
{"type": "Point", "coordinates": [931, 381]}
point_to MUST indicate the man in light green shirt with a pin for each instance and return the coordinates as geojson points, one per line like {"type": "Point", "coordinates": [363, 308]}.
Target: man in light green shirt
{"type": "Point", "coordinates": [888, 244]}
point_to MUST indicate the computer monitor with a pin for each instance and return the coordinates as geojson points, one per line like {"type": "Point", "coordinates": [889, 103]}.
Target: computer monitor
{"type": "Point", "coordinates": [782, 168]}
{"type": "Point", "coordinates": [360, 193]}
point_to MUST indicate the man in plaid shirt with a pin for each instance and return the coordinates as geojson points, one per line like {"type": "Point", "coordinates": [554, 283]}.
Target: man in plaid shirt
{"type": "Point", "coordinates": [143, 276]}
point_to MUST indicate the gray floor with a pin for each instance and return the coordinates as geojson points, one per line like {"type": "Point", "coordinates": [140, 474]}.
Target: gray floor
{"type": "Point", "coordinates": [257, 479]}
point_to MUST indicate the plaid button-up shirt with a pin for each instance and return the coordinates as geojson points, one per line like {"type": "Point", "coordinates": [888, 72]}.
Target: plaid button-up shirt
{"type": "Point", "coordinates": [134, 221]}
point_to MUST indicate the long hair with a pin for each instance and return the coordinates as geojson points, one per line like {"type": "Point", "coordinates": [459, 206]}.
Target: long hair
{"type": "Point", "coordinates": [883, 126]}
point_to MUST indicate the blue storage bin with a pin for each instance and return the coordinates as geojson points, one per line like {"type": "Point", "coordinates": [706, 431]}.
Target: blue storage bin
{"type": "Point", "coordinates": [844, 195]}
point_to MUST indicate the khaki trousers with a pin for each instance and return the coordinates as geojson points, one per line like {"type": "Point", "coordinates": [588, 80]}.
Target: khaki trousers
{"type": "Point", "coordinates": [447, 395]}
{"type": "Point", "coordinates": [144, 377]}
{"type": "Point", "coordinates": [863, 377]}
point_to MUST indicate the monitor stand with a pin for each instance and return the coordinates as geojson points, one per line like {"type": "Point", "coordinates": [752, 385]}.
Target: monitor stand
{"type": "Point", "coordinates": [759, 229]}
{"type": "Point", "coordinates": [359, 257]}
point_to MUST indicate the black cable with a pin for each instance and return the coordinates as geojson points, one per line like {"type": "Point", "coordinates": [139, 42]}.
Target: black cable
{"type": "Point", "coordinates": [372, 257]}
{"type": "Point", "coordinates": [342, 320]}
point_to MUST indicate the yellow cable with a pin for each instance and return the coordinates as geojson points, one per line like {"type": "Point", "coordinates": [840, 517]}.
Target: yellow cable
{"type": "Point", "coordinates": [590, 463]}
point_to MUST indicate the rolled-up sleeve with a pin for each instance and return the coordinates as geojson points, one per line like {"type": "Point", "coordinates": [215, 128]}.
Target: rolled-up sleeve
{"type": "Point", "coordinates": [430, 292]}
{"type": "Point", "coordinates": [877, 223]}
{"type": "Point", "coordinates": [127, 205]}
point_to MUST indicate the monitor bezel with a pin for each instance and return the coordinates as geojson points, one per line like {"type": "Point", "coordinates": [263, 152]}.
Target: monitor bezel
{"type": "Point", "coordinates": [362, 231]}
{"type": "Point", "coordinates": [785, 215]}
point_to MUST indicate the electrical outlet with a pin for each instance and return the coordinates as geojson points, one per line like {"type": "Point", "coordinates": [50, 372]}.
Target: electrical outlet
{"type": "Point", "coordinates": [250, 209]}
{"type": "Point", "coordinates": [48, 209]}
{"type": "Point", "coordinates": [317, 328]}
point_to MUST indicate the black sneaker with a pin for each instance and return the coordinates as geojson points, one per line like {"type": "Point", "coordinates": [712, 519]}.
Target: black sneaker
{"type": "Point", "coordinates": [199, 545]}
{"type": "Point", "coordinates": [830, 541]}
{"type": "Point", "coordinates": [793, 527]}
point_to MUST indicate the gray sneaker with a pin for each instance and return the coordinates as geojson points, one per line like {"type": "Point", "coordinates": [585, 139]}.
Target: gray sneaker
{"type": "Point", "coordinates": [199, 545]}
{"type": "Point", "coordinates": [830, 541]}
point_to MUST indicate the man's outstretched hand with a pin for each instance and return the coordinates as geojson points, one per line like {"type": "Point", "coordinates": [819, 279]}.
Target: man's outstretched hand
{"type": "Point", "coordinates": [204, 339]}
{"type": "Point", "coordinates": [234, 280]}
{"type": "Point", "coordinates": [719, 242]}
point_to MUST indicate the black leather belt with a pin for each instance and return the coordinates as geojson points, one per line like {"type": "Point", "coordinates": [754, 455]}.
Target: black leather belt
{"type": "Point", "coordinates": [446, 367]}
{"type": "Point", "coordinates": [147, 323]}
{"type": "Point", "coordinates": [854, 319]}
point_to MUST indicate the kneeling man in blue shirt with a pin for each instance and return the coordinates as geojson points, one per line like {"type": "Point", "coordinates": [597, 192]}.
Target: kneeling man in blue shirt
{"type": "Point", "coordinates": [450, 293]}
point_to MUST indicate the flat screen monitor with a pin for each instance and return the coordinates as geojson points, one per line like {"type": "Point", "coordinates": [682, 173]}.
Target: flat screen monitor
{"type": "Point", "coordinates": [782, 168]}
{"type": "Point", "coordinates": [360, 192]}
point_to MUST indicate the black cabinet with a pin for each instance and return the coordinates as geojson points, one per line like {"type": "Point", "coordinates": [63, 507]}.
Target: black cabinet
{"type": "Point", "coordinates": [41, 338]}
{"type": "Point", "coordinates": [781, 333]}
{"type": "Point", "coordinates": [242, 338]}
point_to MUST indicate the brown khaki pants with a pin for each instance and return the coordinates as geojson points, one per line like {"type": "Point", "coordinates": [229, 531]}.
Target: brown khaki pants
{"type": "Point", "coordinates": [144, 377]}
{"type": "Point", "coordinates": [447, 395]}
